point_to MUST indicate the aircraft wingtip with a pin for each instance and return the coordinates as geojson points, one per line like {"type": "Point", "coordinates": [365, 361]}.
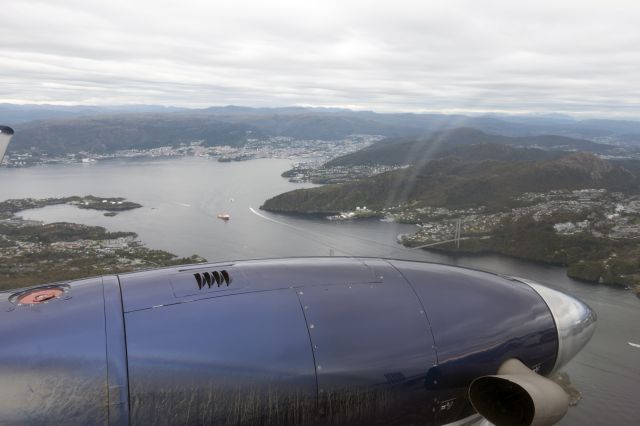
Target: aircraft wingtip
{"type": "Point", "coordinates": [6, 130]}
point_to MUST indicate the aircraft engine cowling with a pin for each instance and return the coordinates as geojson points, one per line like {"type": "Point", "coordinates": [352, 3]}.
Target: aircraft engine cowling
{"type": "Point", "coordinates": [55, 353]}
{"type": "Point", "coordinates": [302, 341]}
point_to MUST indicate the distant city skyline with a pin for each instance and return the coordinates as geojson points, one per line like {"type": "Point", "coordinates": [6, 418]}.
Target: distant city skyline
{"type": "Point", "coordinates": [461, 56]}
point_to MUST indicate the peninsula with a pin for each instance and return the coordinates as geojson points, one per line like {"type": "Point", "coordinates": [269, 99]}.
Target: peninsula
{"type": "Point", "coordinates": [34, 253]}
{"type": "Point", "coordinates": [573, 209]}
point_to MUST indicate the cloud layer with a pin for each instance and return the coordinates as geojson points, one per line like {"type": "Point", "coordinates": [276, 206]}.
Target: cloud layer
{"type": "Point", "coordinates": [579, 57]}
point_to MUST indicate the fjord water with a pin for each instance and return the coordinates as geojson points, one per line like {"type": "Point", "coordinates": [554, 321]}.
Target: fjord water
{"type": "Point", "coordinates": [181, 198]}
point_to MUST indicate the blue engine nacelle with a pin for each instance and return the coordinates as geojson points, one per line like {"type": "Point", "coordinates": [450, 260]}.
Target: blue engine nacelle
{"type": "Point", "coordinates": [286, 341]}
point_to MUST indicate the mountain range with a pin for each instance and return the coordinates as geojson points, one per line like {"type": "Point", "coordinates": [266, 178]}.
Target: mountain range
{"type": "Point", "coordinates": [107, 134]}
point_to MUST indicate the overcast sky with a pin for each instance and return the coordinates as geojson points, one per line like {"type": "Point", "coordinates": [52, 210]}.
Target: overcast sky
{"type": "Point", "coordinates": [578, 57]}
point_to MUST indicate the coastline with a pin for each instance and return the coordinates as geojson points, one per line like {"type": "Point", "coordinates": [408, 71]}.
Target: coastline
{"type": "Point", "coordinates": [32, 252]}
{"type": "Point", "coordinates": [485, 252]}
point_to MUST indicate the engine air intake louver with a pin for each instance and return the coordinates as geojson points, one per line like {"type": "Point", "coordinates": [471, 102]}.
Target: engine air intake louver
{"type": "Point", "coordinates": [211, 279]}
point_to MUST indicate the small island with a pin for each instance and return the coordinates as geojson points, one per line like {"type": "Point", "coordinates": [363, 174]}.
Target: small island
{"type": "Point", "coordinates": [35, 253]}
{"type": "Point", "coordinates": [89, 202]}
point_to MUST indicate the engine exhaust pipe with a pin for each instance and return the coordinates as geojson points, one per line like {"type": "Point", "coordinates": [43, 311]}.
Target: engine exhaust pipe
{"type": "Point", "coordinates": [518, 396]}
{"type": "Point", "coordinates": [5, 137]}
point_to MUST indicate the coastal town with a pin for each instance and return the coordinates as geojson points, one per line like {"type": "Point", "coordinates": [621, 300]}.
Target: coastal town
{"type": "Point", "coordinates": [302, 151]}
{"type": "Point", "coordinates": [607, 215]}
{"type": "Point", "coordinates": [603, 214]}
{"type": "Point", "coordinates": [316, 172]}
{"type": "Point", "coordinates": [594, 232]}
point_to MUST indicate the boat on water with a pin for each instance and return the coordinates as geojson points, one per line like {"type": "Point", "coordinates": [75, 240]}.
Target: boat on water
{"type": "Point", "coordinates": [224, 216]}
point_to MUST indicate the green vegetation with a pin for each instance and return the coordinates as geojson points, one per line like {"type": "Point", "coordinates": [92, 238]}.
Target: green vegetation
{"type": "Point", "coordinates": [454, 183]}
{"type": "Point", "coordinates": [588, 258]}
{"type": "Point", "coordinates": [56, 232]}
{"type": "Point", "coordinates": [623, 269]}
{"type": "Point", "coordinates": [36, 254]}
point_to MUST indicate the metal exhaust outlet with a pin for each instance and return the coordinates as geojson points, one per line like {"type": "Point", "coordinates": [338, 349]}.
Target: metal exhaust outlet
{"type": "Point", "coordinates": [517, 396]}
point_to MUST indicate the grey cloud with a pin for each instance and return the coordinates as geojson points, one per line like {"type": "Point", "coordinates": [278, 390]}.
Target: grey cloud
{"type": "Point", "coordinates": [568, 56]}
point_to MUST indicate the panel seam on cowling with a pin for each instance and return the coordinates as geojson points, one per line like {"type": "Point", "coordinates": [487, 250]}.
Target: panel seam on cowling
{"type": "Point", "coordinates": [426, 314]}
{"type": "Point", "coordinates": [313, 352]}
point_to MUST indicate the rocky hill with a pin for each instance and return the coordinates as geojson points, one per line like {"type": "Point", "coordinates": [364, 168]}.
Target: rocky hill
{"type": "Point", "coordinates": [455, 183]}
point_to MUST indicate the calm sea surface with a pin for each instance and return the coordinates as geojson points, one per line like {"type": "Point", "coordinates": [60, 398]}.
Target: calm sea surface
{"type": "Point", "coordinates": [181, 198]}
